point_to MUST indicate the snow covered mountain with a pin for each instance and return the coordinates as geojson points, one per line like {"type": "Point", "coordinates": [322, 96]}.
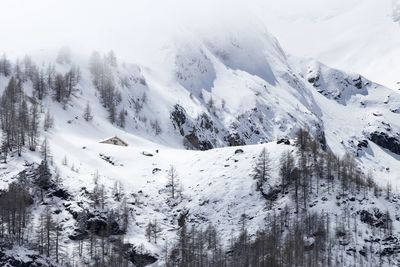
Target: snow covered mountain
{"type": "Point", "coordinates": [356, 36]}
{"type": "Point", "coordinates": [240, 88]}
{"type": "Point", "coordinates": [210, 107]}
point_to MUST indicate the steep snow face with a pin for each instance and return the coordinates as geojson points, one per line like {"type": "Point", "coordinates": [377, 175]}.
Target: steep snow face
{"type": "Point", "coordinates": [194, 70]}
{"type": "Point", "coordinates": [241, 90]}
{"type": "Point", "coordinates": [332, 83]}
{"type": "Point", "coordinates": [356, 36]}
{"type": "Point", "coordinates": [254, 53]}
{"type": "Point", "coordinates": [244, 106]}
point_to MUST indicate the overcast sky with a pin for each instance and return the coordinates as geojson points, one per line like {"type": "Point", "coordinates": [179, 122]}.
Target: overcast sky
{"type": "Point", "coordinates": [138, 29]}
{"type": "Point", "coordinates": [124, 25]}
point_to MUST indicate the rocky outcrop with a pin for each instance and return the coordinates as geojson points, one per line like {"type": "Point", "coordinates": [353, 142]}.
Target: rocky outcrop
{"type": "Point", "coordinates": [193, 141]}
{"type": "Point", "coordinates": [103, 227]}
{"type": "Point", "coordinates": [357, 82]}
{"type": "Point", "coordinates": [284, 141]}
{"type": "Point", "coordinates": [178, 117]}
{"type": "Point", "coordinates": [79, 234]}
{"type": "Point", "coordinates": [199, 133]}
{"type": "Point", "coordinates": [384, 140]}
{"type": "Point", "coordinates": [25, 260]}
{"type": "Point", "coordinates": [374, 218]}
{"type": "Point", "coordinates": [234, 139]}
{"type": "Point", "coordinates": [141, 259]}
{"type": "Point", "coordinates": [335, 84]}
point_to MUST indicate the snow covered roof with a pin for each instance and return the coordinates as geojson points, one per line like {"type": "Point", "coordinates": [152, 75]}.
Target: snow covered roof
{"type": "Point", "coordinates": [114, 140]}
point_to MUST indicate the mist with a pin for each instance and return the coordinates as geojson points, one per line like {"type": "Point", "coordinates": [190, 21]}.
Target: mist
{"type": "Point", "coordinates": [141, 31]}
{"type": "Point", "coordinates": [135, 30]}
{"type": "Point", "coordinates": [130, 28]}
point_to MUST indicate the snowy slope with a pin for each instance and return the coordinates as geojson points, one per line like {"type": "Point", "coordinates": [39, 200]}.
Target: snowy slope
{"type": "Point", "coordinates": [212, 91]}
{"type": "Point", "coordinates": [356, 36]}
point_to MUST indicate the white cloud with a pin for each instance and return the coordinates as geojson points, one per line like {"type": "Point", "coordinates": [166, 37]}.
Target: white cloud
{"type": "Point", "coordinates": [131, 28]}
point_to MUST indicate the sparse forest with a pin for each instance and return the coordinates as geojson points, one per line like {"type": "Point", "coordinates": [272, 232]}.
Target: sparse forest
{"type": "Point", "coordinates": [298, 235]}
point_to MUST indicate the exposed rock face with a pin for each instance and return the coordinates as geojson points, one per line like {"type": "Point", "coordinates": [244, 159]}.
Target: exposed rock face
{"type": "Point", "coordinates": [95, 222]}
{"type": "Point", "coordinates": [313, 77]}
{"type": "Point", "coordinates": [102, 227]}
{"type": "Point", "coordinates": [206, 131]}
{"type": "Point", "coordinates": [192, 140]}
{"type": "Point", "coordinates": [362, 143]}
{"type": "Point", "coordinates": [61, 193]}
{"type": "Point", "coordinates": [334, 84]}
{"type": "Point", "coordinates": [29, 260]}
{"type": "Point", "coordinates": [141, 259]}
{"type": "Point", "coordinates": [388, 251]}
{"type": "Point", "coordinates": [197, 134]}
{"type": "Point", "coordinates": [283, 141]}
{"type": "Point", "coordinates": [374, 218]}
{"type": "Point", "coordinates": [178, 117]}
{"type": "Point", "coordinates": [357, 82]}
{"type": "Point", "coordinates": [233, 139]}
{"type": "Point", "coordinates": [321, 138]}
{"type": "Point", "coordinates": [79, 234]}
{"type": "Point", "coordinates": [384, 140]}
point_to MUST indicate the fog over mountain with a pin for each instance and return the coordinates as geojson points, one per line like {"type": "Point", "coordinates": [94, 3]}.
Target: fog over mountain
{"type": "Point", "coordinates": [344, 34]}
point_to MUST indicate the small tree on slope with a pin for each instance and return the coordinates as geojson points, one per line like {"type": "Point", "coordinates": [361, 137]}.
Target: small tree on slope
{"type": "Point", "coordinates": [262, 169]}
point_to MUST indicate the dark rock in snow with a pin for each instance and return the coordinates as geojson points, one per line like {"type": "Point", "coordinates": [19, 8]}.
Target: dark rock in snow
{"type": "Point", "coordinates": [78, 234]}
{"type": "Point", "coordinates": [271, 195]}
{"type": "Point", "coordinates": [198, 133]}
{"type": "Point", "coordinates": [384, 140]}
{"type": "Point", "coordinates": [205, 122]}
{"type": "Point", "coordinates": [178, 117]}
{"type": "Point", "coordinates": [357, 82]}
{"type": "Point", "coordinates": [284, 141]}
{"type": "Point", "coordinates": [351, 250]}
{"type": "Point", "coordinates": [388, 251]}
{"type": "Point", "coordinates": [24, 260]}
{"type": "Point", "coordinates": [234, 139]}
{"type": "Point", "coordinates": [155, 170]}
{"type": "Point", "coordinates": [194, 141]}
{"type": "Point", "coordinates": [101, 227]}
{"type": "Point", "coordinates": [374, 218]}
{"type": "Point", "coordinates": [313, 79]}
{"type": "Point", "coordinates": [141, 259]}
{"type": "Point", "coordinates": [239, 151]}
{"type": "Point", "coordinates": [61, 193]}
{"type": "Point", "coordinates": [362, 252]}
{"type": "Point", "coordinates": [74, 213]}
{"type": "Point", "coordinates": [147, 154]}
{"type": "Point", "coordinates": [362, 143]}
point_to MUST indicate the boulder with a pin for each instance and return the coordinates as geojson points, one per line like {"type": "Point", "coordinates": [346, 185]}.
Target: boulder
{"type": "Point", "coordinates": [141, 259]}
{"type": "Point", "coordinates": [239, 151]}
{"type": "Point", "coordinates": [284, 141]}
{"type": "Point", "coordinates": [78, 234]}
